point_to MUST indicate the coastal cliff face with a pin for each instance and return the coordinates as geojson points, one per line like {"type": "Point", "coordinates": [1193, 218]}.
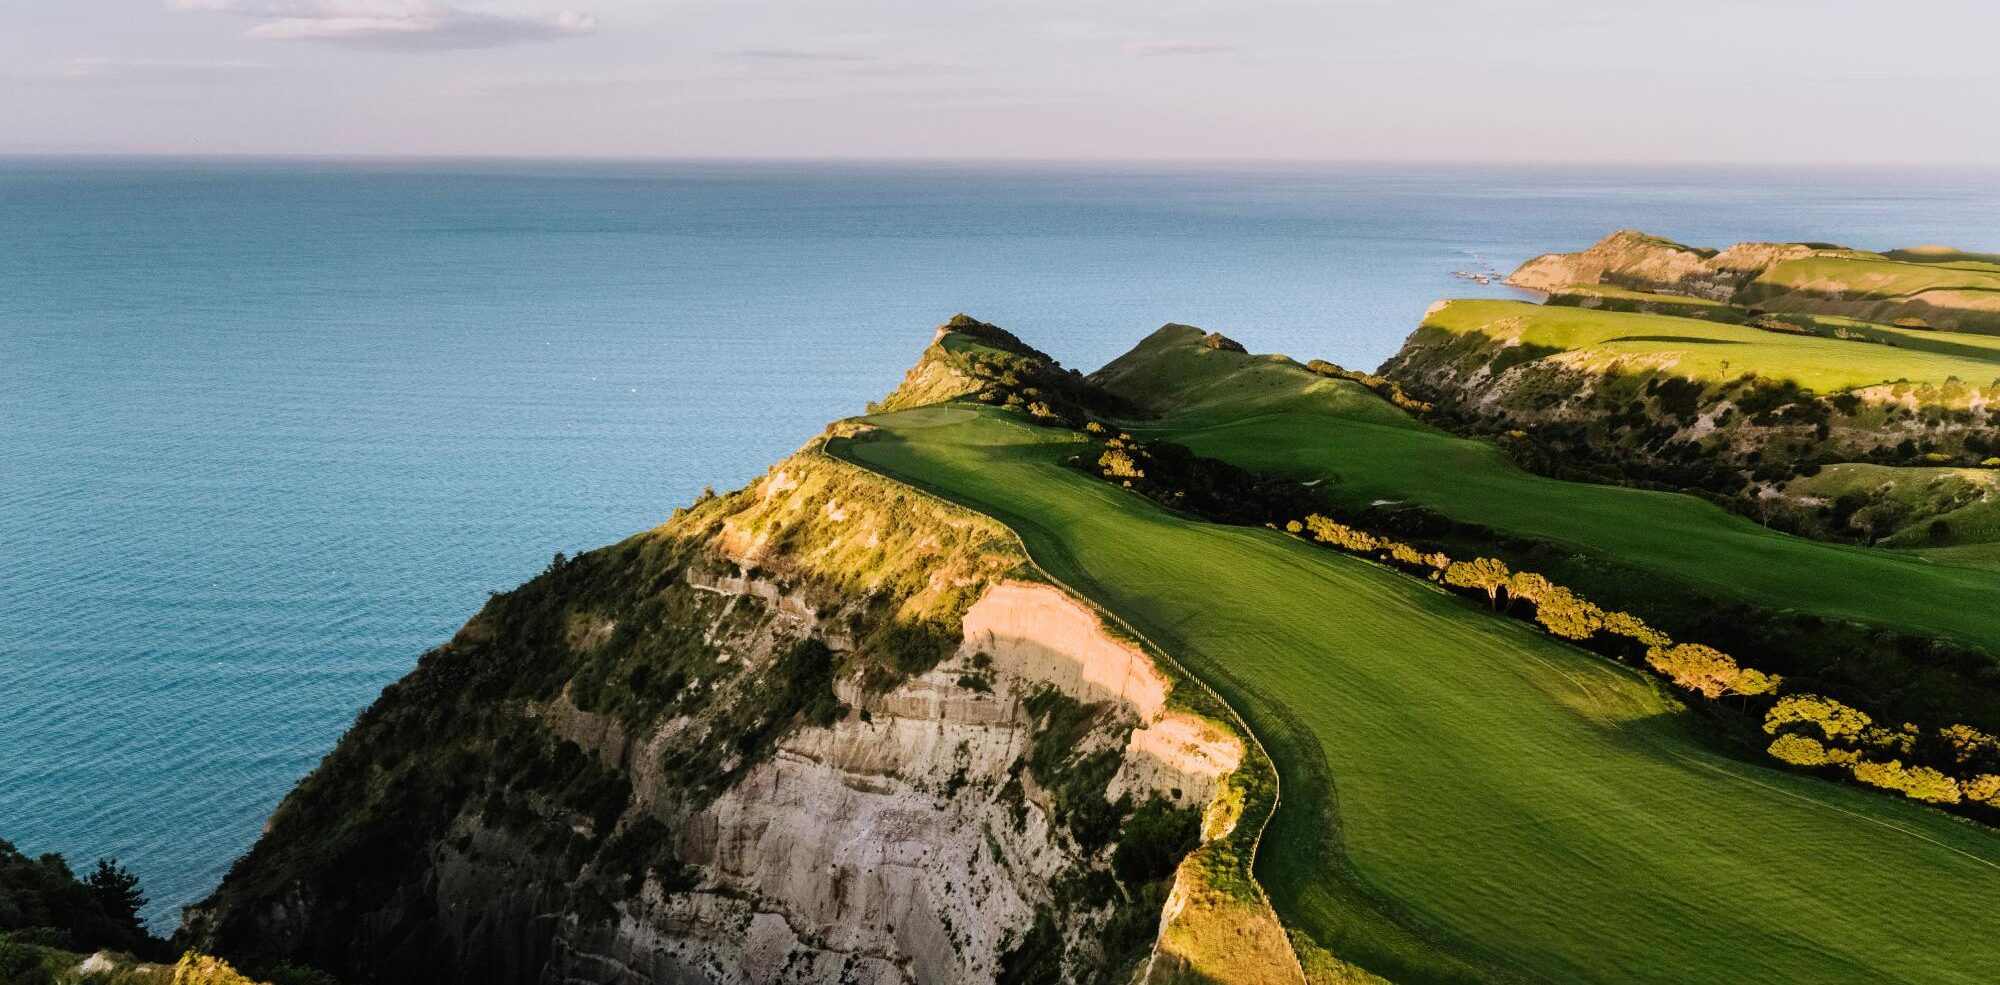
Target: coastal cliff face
{"type": "Point", "coordinates": [1627, 405]}
{"type": "Point", "coordinates": [1640, 261]}
{"type": "Point", "coordinates": [822, 729]}
{"type": "Point", "coordinates": [1926, 287]}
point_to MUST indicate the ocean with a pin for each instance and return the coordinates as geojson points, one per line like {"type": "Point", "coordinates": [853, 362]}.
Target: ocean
{"type": "Point", "coordinates": [270, 429]}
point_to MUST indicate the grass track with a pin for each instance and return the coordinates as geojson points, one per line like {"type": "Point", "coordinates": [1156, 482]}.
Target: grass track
{"type": "Point", "coordinates": [1465, 799]}
{"type": "Point", "coordinates": [1269, 414]}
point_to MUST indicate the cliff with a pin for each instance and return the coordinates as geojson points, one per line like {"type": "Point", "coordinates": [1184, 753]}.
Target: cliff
{"type": "Point", "coordinates": [825, 728]}
{"type": "Point", "coordinates": [1745, 412]}
{"type": "Point", "coordinates": [1928, 287]}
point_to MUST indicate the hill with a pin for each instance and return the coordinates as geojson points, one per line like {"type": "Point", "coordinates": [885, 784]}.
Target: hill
{"type": "Point", "coordinates": [824, 728]}
{"type": "Point", "coordinates": [1934, 287]}
{"type": "Point", "coordinates": [1003, 683]}
{"type": "Point", "coordinates": [1464, 800]}
{"type": "Point", "coordinates": [1739, 411]}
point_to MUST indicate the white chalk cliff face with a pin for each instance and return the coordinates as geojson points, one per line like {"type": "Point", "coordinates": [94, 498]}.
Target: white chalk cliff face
{"type": "Point", "coordinates": [882, 849]}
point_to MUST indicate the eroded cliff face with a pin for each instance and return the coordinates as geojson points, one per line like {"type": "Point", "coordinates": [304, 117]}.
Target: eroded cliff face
{"type": "Point", "coordinates": [822, 729]}
{"type": "Point", "coordinates": [1640, 413]}
{"type": "Point", "coordinates": [1639, 261]}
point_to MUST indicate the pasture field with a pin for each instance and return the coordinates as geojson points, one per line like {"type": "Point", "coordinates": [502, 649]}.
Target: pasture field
{"type": "Point", "coordinates": [1464, 799]}
{"type": "Point", "coordinates": [1713, 350]}
{"type": "Point", "coordinates": [1960, 292]}
{"type": "Point", "coordinates": [1608, 297]}
{"type": "Point", "coordinates": [1268, 414]}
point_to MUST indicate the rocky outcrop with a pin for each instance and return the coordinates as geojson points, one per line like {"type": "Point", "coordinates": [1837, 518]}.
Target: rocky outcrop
{"type": "Point", "coordinates": [1643, 262]}
{"type": "Point", "coordinates": [1629, 258]}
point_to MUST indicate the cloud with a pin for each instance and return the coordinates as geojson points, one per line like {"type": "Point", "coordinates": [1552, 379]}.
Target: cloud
{"type": "Point", "coordinates": [1157, 49]}
{"type": "Point", "coordinates": [410, 25]}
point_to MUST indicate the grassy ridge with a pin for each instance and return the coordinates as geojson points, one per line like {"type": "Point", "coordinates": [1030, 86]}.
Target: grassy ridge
{"type": "Point", "coordinates": [1715, 351]}
{"type": "Point", "coordinates": [1270, 414]}
{"type": "Point", "coordinates": [1466, 800]}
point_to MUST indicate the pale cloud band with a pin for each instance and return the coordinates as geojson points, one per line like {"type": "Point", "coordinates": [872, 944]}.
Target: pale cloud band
{"type": "Point", "coordinates": [393, 24]}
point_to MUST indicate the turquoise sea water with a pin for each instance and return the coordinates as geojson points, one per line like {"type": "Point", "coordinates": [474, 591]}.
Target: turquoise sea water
{"type": "Point", "coordinates": [269, 430]}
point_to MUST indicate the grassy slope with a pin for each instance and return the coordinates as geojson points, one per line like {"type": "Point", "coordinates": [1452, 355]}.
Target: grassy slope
{"type": "Point", "coordinates": [1268, 414]}
{"type": "Point", "coordinates": [1607, 297]}
{"type": "Point", "coordinates": [1879, 288]}
{"type": "Point", "coordinates": [1701, 349]}
{"type": "Point", "coordinates": [1508, 809]}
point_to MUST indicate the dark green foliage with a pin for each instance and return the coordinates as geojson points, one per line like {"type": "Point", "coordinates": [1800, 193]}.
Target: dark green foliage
{"type": "Point", "coordinates": [42, 902]}
{"type": "Point", "coordinates": [643, 846]}
{"type": "Point", "coordinates": [292, 974]}
{"type": "Point", "coordinates": [117, 891]}
{"type": "Point", "coordinates": [21, 964]}
{"type": "Point", "coordinates": [1154, 840]}
{"type": "Point", "coordinates": [1210, 488]}
{"type": "Point", "coordinates": [1037, 958]}
{"type": "Point", "coordinates": [906, 649]}
{"type": "Point", "coordinates": [1075, 780]}
{"type": "Point", "coordinates": [797, 687]}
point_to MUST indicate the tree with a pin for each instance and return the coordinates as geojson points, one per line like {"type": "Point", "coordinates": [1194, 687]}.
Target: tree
{"type": "Point", "coordinates": [1117, 464]}
{"type": "Point", "coordinates": [1969, 744]}
{"type": "Point", "coordinates": [1634, 628]}
{"type": "Point", "coordinates": [1833, 719]}
{"type": "Point", "coordinates": [117, 891]}
{"type": "Point", "coordinates": [1486, 574]}
{"type": "Point", "coordinates": [1709, 671]}
{"type": "Point", "coordinates": [1567, 614]}
{"type": "Point", "coordinates": [1529, 586]}
{"type": "Point", "coordinates": [1801, 750]}
{"type": "Point", "coordinates": [1984, 788]}
{"type": "Point", "coordinates": [1915, 782]}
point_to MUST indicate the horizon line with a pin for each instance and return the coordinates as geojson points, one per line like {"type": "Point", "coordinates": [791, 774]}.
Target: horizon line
{"type": "Point", "coordinates": [1024, 161]}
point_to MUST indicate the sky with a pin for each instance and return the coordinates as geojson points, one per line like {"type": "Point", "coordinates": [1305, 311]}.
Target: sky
{"type": "Point", "coordinates": [1840, 82]}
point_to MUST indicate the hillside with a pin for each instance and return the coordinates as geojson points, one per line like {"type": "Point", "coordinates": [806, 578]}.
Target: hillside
{"type": "Point", "coordinates": [1466, 801]}
{"type": "Point", "coordinates": [1736, 410]}
{"type": "Point", "coordinates": [823, 728]}
{"type": "Point", "coordinates": [1931, 287]}
{"type": "Point", "coordinates": [1002, 683]}
{"type": "Point", "coordinates": [1678, 560]}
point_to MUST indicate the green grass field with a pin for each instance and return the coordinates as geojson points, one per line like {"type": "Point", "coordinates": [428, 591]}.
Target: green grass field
{"type": "Point", "coordinates": [1959, 291]}
{"type": "Point", "coordinates": [1712, 350]}
{"type": "Point", "coordinates": [1464, 799]}
{"type": "Point", "coordinates": [1607, 297]}
{"type": "Point", "coordinates": [1269, 414]}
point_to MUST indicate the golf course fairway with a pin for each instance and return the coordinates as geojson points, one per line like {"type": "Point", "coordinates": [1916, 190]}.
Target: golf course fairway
{"type": "Point", "coordinates": [1269, 414]}
{"type": "Point", "coordinates": [1463, 798]}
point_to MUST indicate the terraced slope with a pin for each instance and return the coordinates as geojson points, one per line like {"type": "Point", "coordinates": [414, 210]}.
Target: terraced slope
{"type": "Point", "coordinates": [1268, 413]}
{"type": "Point", "coordinates": [1464, 799]}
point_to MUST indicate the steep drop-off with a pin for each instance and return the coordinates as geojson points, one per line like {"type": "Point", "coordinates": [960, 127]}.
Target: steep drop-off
{"type": "Point", "coordinates": [825, 728]}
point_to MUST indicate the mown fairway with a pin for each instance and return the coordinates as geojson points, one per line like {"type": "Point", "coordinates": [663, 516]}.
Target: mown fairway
{"type": "Point", "coordinates": [1712, 350]}
{"type": "Point", "coordinates": [1268, 414]}
{"type": "Point", "coordinates": [1464, 799]}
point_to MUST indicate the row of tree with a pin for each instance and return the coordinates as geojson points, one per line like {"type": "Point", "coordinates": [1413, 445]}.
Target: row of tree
{"type": "Point", "coordinates": [1814, 731]}
{"type": "Point", "coordinates": [1808, 730]}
